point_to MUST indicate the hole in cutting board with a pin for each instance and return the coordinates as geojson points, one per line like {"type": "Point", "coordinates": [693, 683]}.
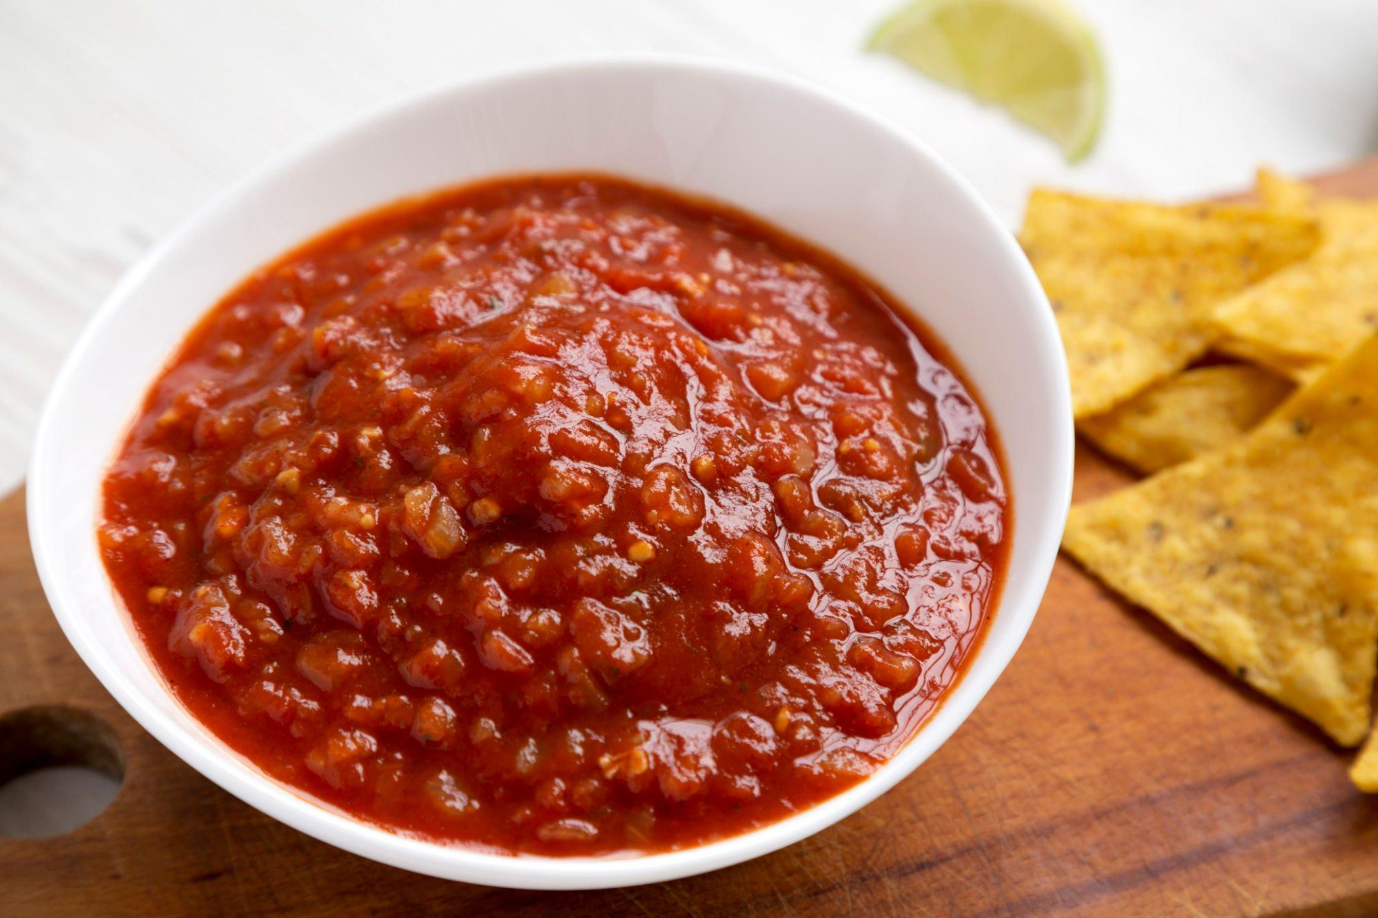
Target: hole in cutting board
{"type": "Point", "coordinates": [60, 768]}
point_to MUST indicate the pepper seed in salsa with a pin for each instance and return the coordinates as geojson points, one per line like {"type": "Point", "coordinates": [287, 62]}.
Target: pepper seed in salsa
{"type": "Point", "coordinates": [559, 515]}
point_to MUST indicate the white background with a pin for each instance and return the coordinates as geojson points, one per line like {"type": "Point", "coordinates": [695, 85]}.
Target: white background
{"type": "Point", "coordinates": [119, 118]}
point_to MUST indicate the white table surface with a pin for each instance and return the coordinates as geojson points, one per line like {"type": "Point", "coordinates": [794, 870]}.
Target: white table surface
{"type": "Point", "coordinates": [118, 118]}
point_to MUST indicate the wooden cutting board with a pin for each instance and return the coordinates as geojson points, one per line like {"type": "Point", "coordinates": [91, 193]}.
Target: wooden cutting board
{"type": "Point", "coordinates": [1111, 771]}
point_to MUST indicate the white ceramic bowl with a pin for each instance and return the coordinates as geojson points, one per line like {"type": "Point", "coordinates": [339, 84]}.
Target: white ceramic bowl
{"type": "Point", "coordinates": [803, 160]}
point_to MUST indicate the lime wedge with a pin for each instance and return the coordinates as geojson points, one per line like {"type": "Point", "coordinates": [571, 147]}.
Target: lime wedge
{"type": "Point", "coordinates": [1034, 58]}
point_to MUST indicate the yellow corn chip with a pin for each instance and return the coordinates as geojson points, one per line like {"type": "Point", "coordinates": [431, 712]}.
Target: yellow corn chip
{"type": "Point", "coordinates": [1364, 771]}
{"type": "Point", "coordinates": [1264, 554]}
{"type": "Point", "coordinates": [1280, 192]}
{"type": "Point", "coordinates": [1135, 285]}
{"type": "Point", "coordinates": [1316, 310]}
{"type": "Point", "coordinates": [1186, 415]}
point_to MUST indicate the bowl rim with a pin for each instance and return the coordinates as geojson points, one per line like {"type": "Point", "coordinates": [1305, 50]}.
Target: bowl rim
{"type": "Point", "coordinates": [474, 865]}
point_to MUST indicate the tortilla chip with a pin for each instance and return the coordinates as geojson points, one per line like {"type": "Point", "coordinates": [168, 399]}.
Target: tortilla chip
{"type": "Point", "coordinates": [1135, 286]}
{"type": "Point", "coordinates": [1280, 192]}
{"type": "Point", "coordinates": [1364, 771]}
{"type": "Point", "coordinates": [1264, 554]}
{"type": "Point", "coordinates": [1317, 310]}
{"type": "Point", "coordinates": [1187, 415]}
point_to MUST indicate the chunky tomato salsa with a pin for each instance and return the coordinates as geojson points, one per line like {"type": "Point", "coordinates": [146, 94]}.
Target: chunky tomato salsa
{"type": "Point", "coordinates": [559, 515]}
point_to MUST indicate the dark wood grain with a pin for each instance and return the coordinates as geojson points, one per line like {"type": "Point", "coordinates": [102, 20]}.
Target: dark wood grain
{"type": "Point", "coordinates": [1111, 771]}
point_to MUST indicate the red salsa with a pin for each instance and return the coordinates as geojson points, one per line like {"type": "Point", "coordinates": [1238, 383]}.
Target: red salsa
{"type": "Point", "coordinates": [561, 515]}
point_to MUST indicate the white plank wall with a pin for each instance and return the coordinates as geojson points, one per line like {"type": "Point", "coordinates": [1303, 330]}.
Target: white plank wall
{"type": "Point", "coordinates": [119, 118]}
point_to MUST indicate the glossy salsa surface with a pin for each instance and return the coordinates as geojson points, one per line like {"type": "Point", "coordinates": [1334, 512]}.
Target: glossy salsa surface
{"type": "Point", "coordinates": [559, 515]}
